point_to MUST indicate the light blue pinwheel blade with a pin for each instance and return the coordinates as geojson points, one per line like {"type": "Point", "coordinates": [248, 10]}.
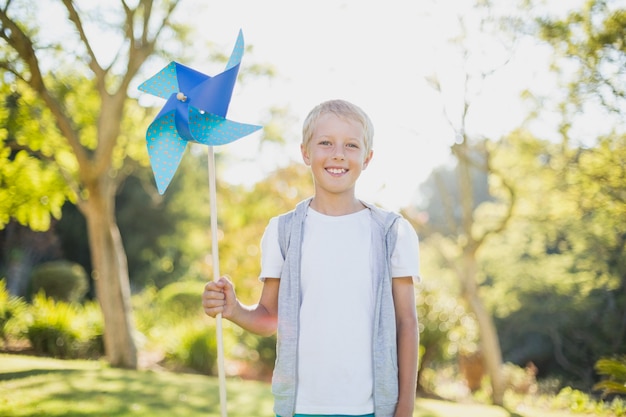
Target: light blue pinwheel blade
{"type": "Point", "coordinates": [210, 129]}
{"type": "Point", "coordinates": [163, 84]}
{"type": "Point", "coordinates": [166, 148]}
{"type": "Point", "coordinates": [235, 57]}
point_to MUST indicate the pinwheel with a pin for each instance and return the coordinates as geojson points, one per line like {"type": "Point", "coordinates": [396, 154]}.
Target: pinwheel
{"type": "Point", "coordinates": [195, 111]}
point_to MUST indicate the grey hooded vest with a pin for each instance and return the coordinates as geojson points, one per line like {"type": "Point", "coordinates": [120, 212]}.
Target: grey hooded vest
{"type": "Point", "coordinates": [384, 235]}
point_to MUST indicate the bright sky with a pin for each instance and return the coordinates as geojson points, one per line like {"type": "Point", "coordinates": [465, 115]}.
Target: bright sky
{"type": "Point", "coordinates": [375, 54]}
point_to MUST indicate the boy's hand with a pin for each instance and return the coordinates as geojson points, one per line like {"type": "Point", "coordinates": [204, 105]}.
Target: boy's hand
{"type": "Point", "coordinates": [219, 297]}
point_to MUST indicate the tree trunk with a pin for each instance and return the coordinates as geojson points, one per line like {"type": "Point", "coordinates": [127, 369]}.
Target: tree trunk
{"type": "Point", "coordinates": [489, 342]}
{"type": "Point", "coordinates": [110, 273]}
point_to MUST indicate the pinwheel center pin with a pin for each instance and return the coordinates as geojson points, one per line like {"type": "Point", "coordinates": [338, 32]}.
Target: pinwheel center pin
{"type": "Point", "coordinates": [181, 96]}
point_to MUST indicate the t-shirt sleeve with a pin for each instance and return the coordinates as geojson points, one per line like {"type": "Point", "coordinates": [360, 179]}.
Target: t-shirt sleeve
{"type": "Point", "coordinates": [271, 258]}
{"type": "Point", "coordinates": [405, 257]}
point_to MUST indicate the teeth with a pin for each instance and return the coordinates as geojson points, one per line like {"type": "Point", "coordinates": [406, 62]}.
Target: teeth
{"type": "Point", "coordinates": [336, 170]}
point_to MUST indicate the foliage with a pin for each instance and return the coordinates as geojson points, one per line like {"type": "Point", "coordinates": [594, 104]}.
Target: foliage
{"type": "Point", "coordinates": [61, 280]}
{"type": "Point", "coordinates": [63, 330]}
{"type": "Point", "coordinates": [192, 347]}
{"type": "Point", "coordinates": [258, 353]}
{"type": "Point", "coordinates": [591, 41]}
{"type": "Point", "coordinates": [146, 311]}
{"type": "Point", "coordinates": [154, 246]}
{"type": "Point", "coordinates": [580, 402]}
{"type": "Point", "coordinates": [554, 280]}
{"type": "Point", "coordinates": [245, 214]}
{"type": "Point", "coordinates": [12, 311]}
{"type": "Point", "coordinates": [181, 299]}
{"type": "Point", "coordinates": [86, 95]}
{"type": "Point", "coordinates": [171, 320]}
{"type": "Point", "coordinates": [614, 372]}
{"type": "Point", "coordinates": [32, 190]}
{"type": "Point", "coordinates": [445, 326]}
{"type": "Point", "coordinates": [520, 380]}
{"type": "Point", "coordinates": [168, 238]}
{"type": "Point", "coordinates": [440, 196]}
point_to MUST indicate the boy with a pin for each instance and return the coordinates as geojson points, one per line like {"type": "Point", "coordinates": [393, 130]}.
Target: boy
{"type": "Point", "coordinates": [337, 279]}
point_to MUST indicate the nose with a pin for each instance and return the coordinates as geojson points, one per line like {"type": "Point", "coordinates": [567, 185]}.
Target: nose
{"type": "Point", "coordinates": [338, 153]}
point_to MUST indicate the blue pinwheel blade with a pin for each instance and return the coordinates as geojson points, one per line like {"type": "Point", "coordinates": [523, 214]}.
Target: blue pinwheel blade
{"type": "Point", "coordinates": [188, 78]}
{"type": "Point", "coordinates": [214, 94]}
{"type": "Point", "coordinates": [213, 130]}
{"type": "Point", "coordinates": [165, 148]}
{"type": "Point", "coordinates": [163, 84]}
{"type": "Point", "coordinates": [237, 54]}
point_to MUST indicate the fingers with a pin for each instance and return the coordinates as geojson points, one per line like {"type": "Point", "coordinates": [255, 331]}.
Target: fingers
{"type": "Point", "coordinates": [214, 297]}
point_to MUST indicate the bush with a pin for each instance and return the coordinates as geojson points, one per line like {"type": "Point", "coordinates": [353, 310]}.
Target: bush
{"type": "Point", "coordinates": [259, 352]}
{"type": "Point", "coordinates": [92, 333]}
{"type": "Point", "coordinates": [580, 402]}
{"type": "Point", "coordinates": [65, 330]}
{"type": "Point", "coordinates": [193, 347]}
{"type": "Point", "coordinates": [51, 331]}
{"type": "Point", "coordinates": [146, 310]}
{"type": "Point", "coordinates": [12, 311]}
{"type": "Point", "coordinates": [181, 300]}
{"type": "Point", "coordinates": [614, 372]}
{"type": "Point", "coordinates": [61, 280]}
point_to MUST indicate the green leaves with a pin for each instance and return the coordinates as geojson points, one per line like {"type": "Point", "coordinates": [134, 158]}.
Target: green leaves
{"type": "Point", "coordinates": [31, 191]}
{"type": "Point", "coordinates": [614, 371]}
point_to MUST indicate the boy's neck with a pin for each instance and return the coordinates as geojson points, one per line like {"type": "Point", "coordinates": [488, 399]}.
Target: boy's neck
{"type": "Point", "coordinates": [336, 206]}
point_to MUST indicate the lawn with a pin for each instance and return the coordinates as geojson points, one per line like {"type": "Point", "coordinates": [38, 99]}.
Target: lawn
{"type": "Point", "coordinates": [33, 386]}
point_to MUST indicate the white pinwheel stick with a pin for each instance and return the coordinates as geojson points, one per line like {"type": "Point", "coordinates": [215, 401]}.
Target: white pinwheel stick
{"type": "Point", "coordinates": [221, 374]}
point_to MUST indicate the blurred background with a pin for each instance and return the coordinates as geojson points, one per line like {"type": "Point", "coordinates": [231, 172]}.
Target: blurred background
{"type": "Point", "coordinates": [499, 134]}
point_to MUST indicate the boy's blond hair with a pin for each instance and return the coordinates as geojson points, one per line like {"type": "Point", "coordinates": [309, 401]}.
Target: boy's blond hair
{"type": "Point", "coordinates": [343, 109]}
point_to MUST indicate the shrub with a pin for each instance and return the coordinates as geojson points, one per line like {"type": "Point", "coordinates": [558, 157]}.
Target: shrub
{"type": "Point", "coordinates": [258, 352]}
{"type": "Point", "coordinates": [92, 330]}
{"type": "Point", "coordinates": [581, 402]}
{"type": "Point", "coordinates": [146, 309]}
{"type": "Point", "coordinates": [65, 330]}
{"type": "Point", "coordinates": [51, 331]}
{"type": "Point", "coordinates": [12, 311]}
{"type": "Point", "coordinates": [180, 300]}
{"type": "Point", "coordinates": [61, 280]}
{"type": "Point", "coordinates": [193, 347]}
{"type": "Point", "coordinates": [614, 371]}
{"type": "Point", "coordinates": [520, 380]}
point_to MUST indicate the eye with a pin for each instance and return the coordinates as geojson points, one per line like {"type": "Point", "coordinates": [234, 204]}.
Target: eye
{"type": "Point", "coordinates": [324, 142]}
{"type": "Point", "coordinates": [353, 145]}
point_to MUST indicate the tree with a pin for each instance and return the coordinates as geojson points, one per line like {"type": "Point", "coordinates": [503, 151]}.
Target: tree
{"type": "Point", "coordinates": [89, 109]}
{"type": "Point", "coordinates": [590, 59]}
{"type": "Point", "coordinates": [470, 222]}
{"type": "Point", "coordinates": [590, 54]}
{"type": "Point", "coordinates": [556, 273]}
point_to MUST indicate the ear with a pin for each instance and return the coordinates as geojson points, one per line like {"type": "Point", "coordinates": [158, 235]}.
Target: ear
{"type": "Point", "coordinates": [305, 154]}
{"type": "Point", "coordinates": [368, 158]}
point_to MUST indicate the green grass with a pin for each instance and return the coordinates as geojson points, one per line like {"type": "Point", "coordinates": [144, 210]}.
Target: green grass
{"type": "Point", "coordinates": [33, 386]}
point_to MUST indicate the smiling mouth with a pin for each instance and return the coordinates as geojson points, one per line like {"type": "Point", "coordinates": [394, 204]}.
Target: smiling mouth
{"type": "Point", "coordinates": [336, 171]}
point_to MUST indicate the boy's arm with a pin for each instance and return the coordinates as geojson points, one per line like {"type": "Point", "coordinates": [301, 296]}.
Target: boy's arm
{"type": "Point", "coordinates": [262, 318]}
{"type": "Point", "coordinates": [408, 344]}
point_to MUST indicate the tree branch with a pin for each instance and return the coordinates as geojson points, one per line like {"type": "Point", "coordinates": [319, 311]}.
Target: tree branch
{"type": "Point", "coordinates": [93, 61]}
{"type": "Point", "coordinates": [504, 221]}
{"type": "Point", "coordinates": [113, 104]}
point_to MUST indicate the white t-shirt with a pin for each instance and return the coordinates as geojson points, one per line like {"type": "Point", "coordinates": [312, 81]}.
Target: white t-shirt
{"type": "Point", "coordinates": [335, 374]}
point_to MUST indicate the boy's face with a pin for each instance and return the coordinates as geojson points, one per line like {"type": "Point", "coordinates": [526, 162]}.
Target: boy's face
{"type": "Point", "coordinates": [336, 154]}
